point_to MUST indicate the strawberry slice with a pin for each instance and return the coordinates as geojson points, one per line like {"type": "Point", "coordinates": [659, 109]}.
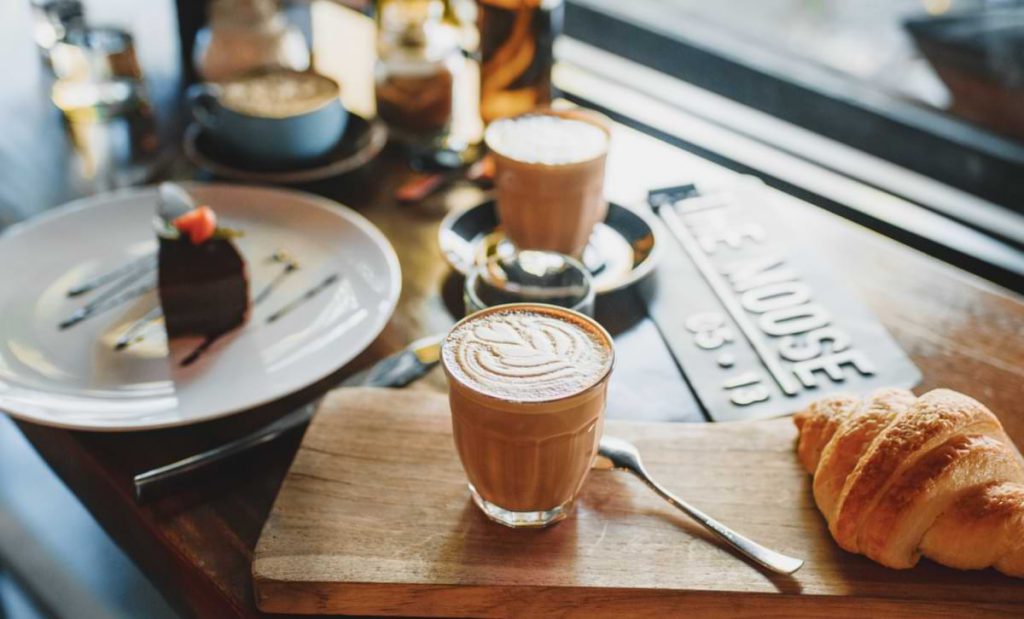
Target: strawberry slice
{"type": "Point", "coordinates": [199, 224]}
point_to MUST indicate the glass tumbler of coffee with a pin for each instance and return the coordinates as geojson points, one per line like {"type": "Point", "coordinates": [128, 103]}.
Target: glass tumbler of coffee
{"type": "Point", "coordinates": [527, 384]}
{"type": "Point", "coordinates": [530, 276]}
{"type": "Point", "coordinates": [549, 177]}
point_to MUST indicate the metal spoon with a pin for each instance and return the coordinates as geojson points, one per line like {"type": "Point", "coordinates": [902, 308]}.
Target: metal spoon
{"type": "Point", "coordinates": [174, 201]}
{"type": "Point", "coordinates": [625, 456]}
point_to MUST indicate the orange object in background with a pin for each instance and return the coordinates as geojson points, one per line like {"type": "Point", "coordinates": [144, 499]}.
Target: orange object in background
{"type": "Point", "coordinates": [516, 47]}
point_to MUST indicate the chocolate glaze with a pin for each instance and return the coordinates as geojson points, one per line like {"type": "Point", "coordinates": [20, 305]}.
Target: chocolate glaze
{"type": "Point", "coordinates": [309, 294]}
{"type": "Point", "coordinates": [137, 331]}
{"type": "Point", "coordinates": [204, 289]}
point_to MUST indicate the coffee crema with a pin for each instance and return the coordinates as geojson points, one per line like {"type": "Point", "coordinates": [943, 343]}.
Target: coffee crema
{"type": "Point", "coordinates": [278, 94]}
{"type": "Point", "coordinates": [527, 355]}
{"type": "Point", "coordinates": [547, 139]}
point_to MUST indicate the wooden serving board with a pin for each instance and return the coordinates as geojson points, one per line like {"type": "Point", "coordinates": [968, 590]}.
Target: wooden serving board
{"type": "Point", "coordinates": [374, 518]}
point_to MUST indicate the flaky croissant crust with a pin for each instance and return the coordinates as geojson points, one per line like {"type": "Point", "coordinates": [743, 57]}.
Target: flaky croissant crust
{"type": "Point", "coordinates": [897, 476]}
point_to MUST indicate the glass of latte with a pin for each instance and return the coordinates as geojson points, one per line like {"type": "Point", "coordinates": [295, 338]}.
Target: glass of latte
{"type": "Point", "coordinates": [549, 177]}
{"type": "Point", "coordinates": [527, 387]}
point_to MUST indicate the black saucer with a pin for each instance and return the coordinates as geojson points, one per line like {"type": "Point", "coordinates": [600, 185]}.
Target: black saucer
{"type": "Point", "coordinates": [362, 141]}
{"type": "Point", "coordinates": [621, 252]}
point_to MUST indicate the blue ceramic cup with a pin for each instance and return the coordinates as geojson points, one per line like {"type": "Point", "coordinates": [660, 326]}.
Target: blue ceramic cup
{"type": "Point", "coordinates": [274, 118]}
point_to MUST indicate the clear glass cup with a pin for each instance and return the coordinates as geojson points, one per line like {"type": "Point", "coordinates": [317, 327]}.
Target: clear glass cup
{"type": "Point", "coordinates": [97, 73]}
{"type": "Point", "coordinates": [530, 276]}
{"type": "Point", "coordinates": [549, 173]}
{"type": "Point", "coordinates": [527, 384]}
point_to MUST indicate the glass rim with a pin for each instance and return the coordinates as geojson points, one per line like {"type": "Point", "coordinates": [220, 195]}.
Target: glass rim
{"type": "Point", "coordinates": [543, 307]}
{"type": "Point", "coordinates": [540, 292]}
{"type": "Point", "coordinates": [577, 113]}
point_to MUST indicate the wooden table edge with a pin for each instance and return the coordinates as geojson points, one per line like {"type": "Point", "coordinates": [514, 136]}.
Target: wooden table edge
{"type": "Point", "coordinates": [401, 599]}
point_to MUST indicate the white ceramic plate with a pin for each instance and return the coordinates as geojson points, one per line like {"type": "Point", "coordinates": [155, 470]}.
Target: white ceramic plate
{"type": "Point", "coordinates": [74, 378]}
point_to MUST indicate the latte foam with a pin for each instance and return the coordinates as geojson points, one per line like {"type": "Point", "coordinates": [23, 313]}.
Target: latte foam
{"type": "Point", "coordinates": [528, 355]}
{"type": "Point", "coordinates": [277, 95]}
{"type": "Point", "coordinates": [546, 139]}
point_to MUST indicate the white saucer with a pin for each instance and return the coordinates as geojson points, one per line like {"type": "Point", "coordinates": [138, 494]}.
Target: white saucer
{"type": "Point", "coordinates": [74, 378]}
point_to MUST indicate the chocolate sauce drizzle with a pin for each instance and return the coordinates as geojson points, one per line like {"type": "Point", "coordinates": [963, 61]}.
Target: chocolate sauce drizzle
{"type": "Point", "coordinates": [200, 350]}
{"type": "Point", "coordinates": [290, 266]}
{"type": "Point", "coordinates": [137, 332]}
{"type": "Point", "coordinates": [128, 274]}
{"type": "Point", "coordinates": [308, 295]}
{"type": "Point", "coordinates": [109, 300]}
{"type": "Point", "coordinates": [143, 263]}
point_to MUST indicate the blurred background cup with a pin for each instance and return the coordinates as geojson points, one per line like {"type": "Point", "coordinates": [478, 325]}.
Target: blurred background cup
{"type": "Point", "coordinates": [277, 117]}
{"type": "Point", "coordinates": [530, 277]}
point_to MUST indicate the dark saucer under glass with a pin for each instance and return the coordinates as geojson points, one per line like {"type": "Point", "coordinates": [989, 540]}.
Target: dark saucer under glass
{"type": "Point", "coordinates": [622, 250]}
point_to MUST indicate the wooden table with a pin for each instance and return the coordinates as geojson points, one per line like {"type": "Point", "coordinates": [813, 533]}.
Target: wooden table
{"type": "Point", "coordinates": [197, 543]}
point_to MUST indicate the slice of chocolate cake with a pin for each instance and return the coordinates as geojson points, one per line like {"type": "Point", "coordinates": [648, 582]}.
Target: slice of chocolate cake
{"type": "Point", "coordinates": [202, 281]}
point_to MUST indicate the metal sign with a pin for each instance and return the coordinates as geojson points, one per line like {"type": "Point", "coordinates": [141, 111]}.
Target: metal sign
{"type": "Point", "coordinates": [758, 324]}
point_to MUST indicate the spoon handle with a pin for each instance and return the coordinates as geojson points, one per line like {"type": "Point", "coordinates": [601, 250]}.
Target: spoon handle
{"type": "Point", "coordinates": [774, 561]}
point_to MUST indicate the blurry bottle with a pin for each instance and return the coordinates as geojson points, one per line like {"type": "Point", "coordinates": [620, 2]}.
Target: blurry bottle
{"type": "Point", "coordinates": [53, 19]}
{"type": "Point", "coordinates": [101, 90]}
{"type": "Point", "coordinates": [516, 54]}
{"type": "Point", "coordinates": [243, 36]}
{"type": "Point", "coordinates": [98, 74]}
{"type": "Point", "coordinates": [418, 57]}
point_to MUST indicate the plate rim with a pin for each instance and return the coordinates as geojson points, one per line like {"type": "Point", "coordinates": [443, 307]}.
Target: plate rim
{"type": "Point", "coordinates": [636, 275]}
{"type": "Point", "coordinates": [333, 207]}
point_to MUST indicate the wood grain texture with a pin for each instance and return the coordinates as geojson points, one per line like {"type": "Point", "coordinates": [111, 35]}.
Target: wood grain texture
{"type": "Point", "coordinates": [197, 543]}
{"type": "Point", "coordinates": [374, 518]}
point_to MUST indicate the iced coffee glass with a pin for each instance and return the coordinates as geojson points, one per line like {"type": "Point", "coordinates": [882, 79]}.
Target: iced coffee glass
{"type": "Point", "coordinates": [527, 385]}
{"type": "Point", "coordinates": [549, 177]}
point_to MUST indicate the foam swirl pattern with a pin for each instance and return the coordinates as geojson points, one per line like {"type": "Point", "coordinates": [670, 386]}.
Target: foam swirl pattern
{"type": "Point", "coordinates": [527, 355]}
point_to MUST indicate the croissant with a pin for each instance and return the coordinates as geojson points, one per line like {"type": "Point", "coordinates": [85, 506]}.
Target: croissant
{"type": "Point", "coordinates": [898, 476]}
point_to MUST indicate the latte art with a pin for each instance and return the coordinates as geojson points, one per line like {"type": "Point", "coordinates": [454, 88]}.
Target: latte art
{"type": "Point", "coordinates": [527, 355]}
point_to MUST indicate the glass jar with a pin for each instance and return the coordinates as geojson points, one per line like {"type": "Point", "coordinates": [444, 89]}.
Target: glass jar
{"type": "Point", "coordinates": [418, 58]}
{"type": "Point", "coordinates": [244, 36]}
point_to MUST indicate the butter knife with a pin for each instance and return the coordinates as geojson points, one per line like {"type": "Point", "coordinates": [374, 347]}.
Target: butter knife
{"type": "Point", "coordinates": [401, 368]}
{"type": "Point", "coordinates": [397, 370]}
